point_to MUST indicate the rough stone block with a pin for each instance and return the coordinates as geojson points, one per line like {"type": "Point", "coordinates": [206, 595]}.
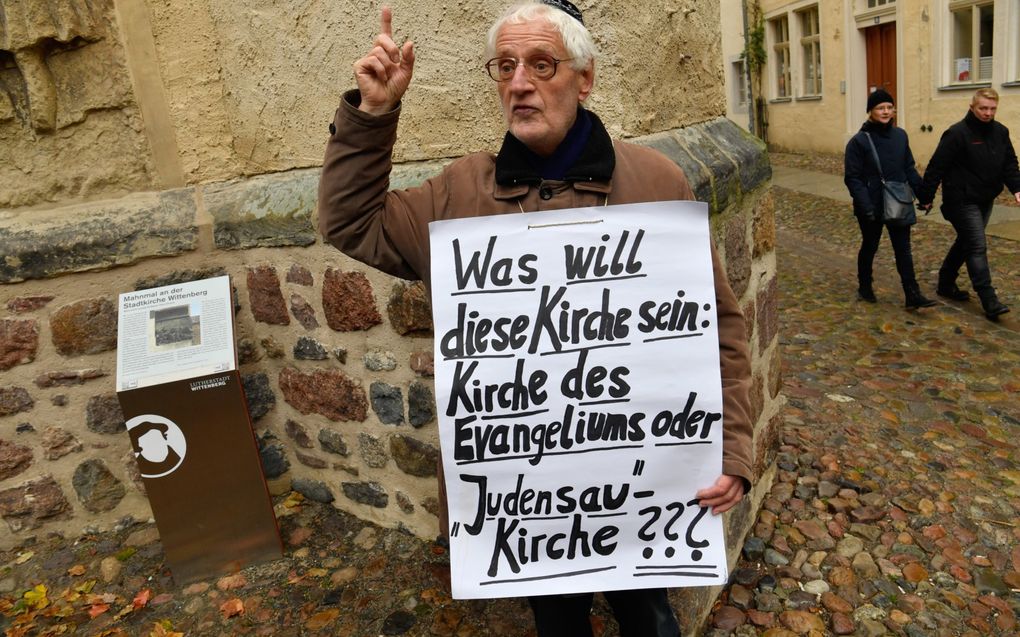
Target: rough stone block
{"type": "Point", "coordinates": [380, 361]}
{"type": "Point", "coordinates": [178, 277]}
{"type": "Point", "coordinates": [265, 297]}
{"type": "Point", "coordinates": [766, 442]}
{"type": "Point", "coordinates": [333, 442]}
{"type": "Point", "coordinates": [57, 443]}
{"type": "Point", "coordinates": [274, 460]}
{"type": "Point", "coordinates": [29, 505]}
{"type": "Point", "coordinates": [388, 403]}
{"type": "Point", "coordinates": [14, 400]}
{"type": "Point", "coordinates": [697, 175]}
{"type": "Point", "coordinates": [775, 373]}
{"type": "Point", "coordinates": [330, 393]}
{"type": "Point", "coordinates": [309, 349]}
{"type": "Point", "coordinates": [19, 342]}
{"type": "Point", "coordinates": [299, 275]}
{"type": "Point", "coordinates": [309, 460]}
{"type": "Point", "coordinates": [768, 313]}
{"type": "Point", "coordinates": [103, 414]}
{"type": "Point", "coordinates": [748, 152]}
{"type": "Point", "coordinates": [68, 378]}
{"type": "Point", "coordinates": [423, 363]}
{"type": "Point", "coordinates": [409, 309]}
{"type": "Point", "coordinates": [764, 226]}
{"type": "Point", "coordinates": [96, 487]}
{"type": "Point", "coordinates": [14, 459]}
{"type": "Point", "coordinates": [23, 304]}
{"type": "Point", "coordinates": [297, 432]}
{"type": "Point", "coordinates": [258, 393]}
{"type": "Point", "coordinates": [373, 452]}
{"type": "Point", "coordinates": [748, 310]}
{"type": "Point", "coordinates": [85, 327]}
{"type": "Point", "coordinates": [348, 301]}
{"type": "Point", "coordinates": [97, 235]}
{"type": "Point", "coordinates": [738, 257]}
{"type": "Point", "coordinates": [303, 312]}
{"type": "Point", "coordinates": [313, 490]}
{"type": "Point", "coordinates": [371, 493]}
{"type": "Point", "coordinates": [414, 457]}
{"type": "Point", "coordinates": [265, 211]}
{"type": "Point", "coordinates": [723, 169]}
{"type": "Point", "coordinates": [421, 406]}
{"type": "Point", "coordinates": [404, 502]}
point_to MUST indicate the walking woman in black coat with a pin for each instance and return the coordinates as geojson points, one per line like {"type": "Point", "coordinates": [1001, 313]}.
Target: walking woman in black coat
{"type": "Point", "coordinates": [862, 179]}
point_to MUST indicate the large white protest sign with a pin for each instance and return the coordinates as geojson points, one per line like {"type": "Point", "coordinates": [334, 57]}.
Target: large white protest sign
{"type": "Point", "coordinates": [577, 383]}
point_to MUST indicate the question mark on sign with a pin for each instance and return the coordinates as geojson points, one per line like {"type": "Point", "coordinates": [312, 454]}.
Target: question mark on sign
{"type": "Point", "coordinates": [691, 542]}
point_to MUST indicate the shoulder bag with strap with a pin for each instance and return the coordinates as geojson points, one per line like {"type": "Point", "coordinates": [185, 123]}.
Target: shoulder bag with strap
{"type": "Point", "coordinates": [897, 197]}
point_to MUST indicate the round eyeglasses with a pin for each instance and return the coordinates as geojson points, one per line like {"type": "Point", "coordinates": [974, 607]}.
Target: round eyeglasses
{"type": "Point", "coordinates": [538, 67]}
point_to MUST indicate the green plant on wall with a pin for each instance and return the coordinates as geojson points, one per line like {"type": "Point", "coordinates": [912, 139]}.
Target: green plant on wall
{"type": "Point", "coordinates": [754, 56]}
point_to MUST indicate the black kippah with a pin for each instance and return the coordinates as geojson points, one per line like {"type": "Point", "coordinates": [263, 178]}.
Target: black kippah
{"type": "Point", "coordinates": [567, 7]}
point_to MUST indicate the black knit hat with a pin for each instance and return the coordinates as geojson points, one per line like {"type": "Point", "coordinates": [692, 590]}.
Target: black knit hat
{"type": "Point", "coordinates": [880, 96]}
{"type": "Point", "coordinates": [565, 6]}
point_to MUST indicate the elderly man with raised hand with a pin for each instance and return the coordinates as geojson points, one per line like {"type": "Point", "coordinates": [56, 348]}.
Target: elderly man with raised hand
{"type": "Point", "coordinates": [973, 160]}
{"type": "Point", "coordinates": [555, 155]}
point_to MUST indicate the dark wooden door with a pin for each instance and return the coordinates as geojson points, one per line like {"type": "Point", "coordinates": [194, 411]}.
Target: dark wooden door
{"type": "Point", "coordinates": [881, 51]}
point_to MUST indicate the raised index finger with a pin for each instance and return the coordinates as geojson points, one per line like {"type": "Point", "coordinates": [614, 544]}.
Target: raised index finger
{"type": "Point", "coordinates": [386, 22]}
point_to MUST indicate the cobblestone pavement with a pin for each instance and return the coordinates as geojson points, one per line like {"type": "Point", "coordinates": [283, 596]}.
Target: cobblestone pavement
{"type": "Point", "coordinates": [895, 509]}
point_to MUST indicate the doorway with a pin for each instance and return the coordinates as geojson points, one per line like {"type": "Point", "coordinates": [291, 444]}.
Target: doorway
{"type": "Point", "coordinates": [880, 41]}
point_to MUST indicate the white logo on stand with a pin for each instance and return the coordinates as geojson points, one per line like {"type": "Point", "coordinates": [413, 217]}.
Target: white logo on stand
{"type": "Point", "coordinates": [158, 443]}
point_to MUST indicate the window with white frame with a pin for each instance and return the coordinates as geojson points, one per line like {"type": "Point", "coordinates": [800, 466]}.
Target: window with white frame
{"type": "Point", "coordinates": [781, 55]}
{"type": "Point", "coordinates": [739, 84]}
{"type": "Point", "coordinates": [811, 50]}
{"type": "Point", "coordinates": [971, 28]}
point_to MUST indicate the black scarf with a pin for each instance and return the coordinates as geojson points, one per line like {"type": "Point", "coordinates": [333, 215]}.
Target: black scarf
{"type": "Point", "coordinates": [594, 161]}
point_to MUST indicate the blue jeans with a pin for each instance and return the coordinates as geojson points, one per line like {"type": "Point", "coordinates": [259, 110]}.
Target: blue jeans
{"type": "Point", "coordinates": [899, 236]}
{"type": "Point", "coordinates": [969, 221]}
{"type": "Point", "coordinates": [640, 613]}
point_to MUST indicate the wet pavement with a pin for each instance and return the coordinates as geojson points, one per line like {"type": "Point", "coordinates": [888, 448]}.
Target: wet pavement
{"type": "Point", "coordinates": [896, 508]}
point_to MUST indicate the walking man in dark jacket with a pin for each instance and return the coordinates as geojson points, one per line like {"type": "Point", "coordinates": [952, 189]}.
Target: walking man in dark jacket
{"type": "Point", "coordinates": [973, 161]}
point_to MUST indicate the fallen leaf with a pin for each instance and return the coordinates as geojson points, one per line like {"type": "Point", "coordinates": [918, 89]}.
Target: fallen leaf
{"type": "Point", "coordinates": [96, 610]}
{"type": "Point", "coordinates": [231, 607]}
{"type": "Point", "coordinates": [36, 598]}
{"type": "Point", "coordinates": [293, 500]}
{"type": "Point", "coordinates": [123, 555]}
{"type": "Point", "coordinates": [142, 598]}
{"type": "Point", "coordinates": [318, 621]}
{"type": "Point", "coordinates": [19, 631]}
{"type": "Point", "coordinates": [164, 629]}
{"type": "Point", "coordinates": [317, 572]}
{"type": "Point", "coordinates": [76, 570]}
{"type": "Point", "coordinates": [24, 557]}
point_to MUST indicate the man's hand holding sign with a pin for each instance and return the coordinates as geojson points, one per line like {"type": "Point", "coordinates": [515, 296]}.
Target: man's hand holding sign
{"type": "Point", "coordinates": [562, 416]}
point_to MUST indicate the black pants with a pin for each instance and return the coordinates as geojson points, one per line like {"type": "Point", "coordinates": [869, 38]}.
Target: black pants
{"type": "Point", "coordinates": [899, 236]}
{"type": "Point", "coordinates": [970, 247]}
{"type": "Point", "coordinates": [640, 613]}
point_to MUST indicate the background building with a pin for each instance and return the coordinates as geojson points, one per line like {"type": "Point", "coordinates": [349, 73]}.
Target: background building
{"type": "Point", "coordinates": [824, 57]}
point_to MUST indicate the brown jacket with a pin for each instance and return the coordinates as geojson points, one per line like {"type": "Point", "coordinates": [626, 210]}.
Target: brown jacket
{"type": "Point", "coordinates": [389, 230]}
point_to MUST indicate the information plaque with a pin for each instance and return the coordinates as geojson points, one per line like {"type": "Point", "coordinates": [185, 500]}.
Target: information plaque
{"type": "Point", "coordinates": [187, 418]}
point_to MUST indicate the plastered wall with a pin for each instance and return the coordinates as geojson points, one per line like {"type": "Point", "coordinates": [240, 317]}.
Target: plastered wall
{"type": "Point", "coordinates": [100, 98]}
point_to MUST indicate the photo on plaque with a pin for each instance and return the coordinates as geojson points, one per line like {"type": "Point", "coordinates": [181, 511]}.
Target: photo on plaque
{"type": "Point", "coordinates": [174, 327]}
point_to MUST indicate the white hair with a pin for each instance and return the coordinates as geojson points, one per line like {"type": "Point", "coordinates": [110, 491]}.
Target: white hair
{"type": "Point", "coordinates": [576, 38]}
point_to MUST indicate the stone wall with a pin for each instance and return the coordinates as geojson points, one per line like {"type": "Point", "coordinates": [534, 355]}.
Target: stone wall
{"type": "Point", "coordinates": [336, 357]}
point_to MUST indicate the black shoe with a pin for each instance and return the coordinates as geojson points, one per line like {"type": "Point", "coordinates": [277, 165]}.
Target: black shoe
{"type": "Point", "coordinates": [865, 293]}
{"type": "Point", "coordinates": [915, 299]}
{"type": "Point", "coordinates": [995, 308]}
{"type": "Point", "coordinates": [953, 293]}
